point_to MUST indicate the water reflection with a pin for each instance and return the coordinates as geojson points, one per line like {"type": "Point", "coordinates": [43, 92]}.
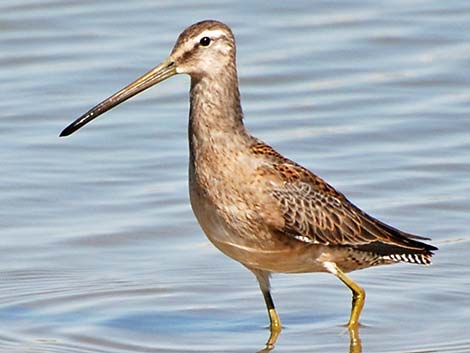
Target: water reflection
{"type": "Point", "coordinates": [99, 249]}
{"type": "Point", "coordinates": [271, 342]}
{"type": "Point", "coordinates": [355, 343]}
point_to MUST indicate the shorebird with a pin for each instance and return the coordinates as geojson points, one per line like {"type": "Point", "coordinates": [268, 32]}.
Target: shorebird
{"type": "Point", "coordinates": [256, 206]}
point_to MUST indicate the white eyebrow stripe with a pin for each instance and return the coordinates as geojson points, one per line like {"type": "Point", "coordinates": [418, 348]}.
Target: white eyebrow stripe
{"type": "Point", "coordinates": [211, 33]}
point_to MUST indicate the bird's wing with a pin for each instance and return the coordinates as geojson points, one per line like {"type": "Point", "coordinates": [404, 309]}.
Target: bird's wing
{"type": "Point", "coordinates": [314, 212]}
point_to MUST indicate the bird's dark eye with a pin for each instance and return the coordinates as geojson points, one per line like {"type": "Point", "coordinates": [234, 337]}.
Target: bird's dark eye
{"type": "Point", "coordinates": [205, 41]}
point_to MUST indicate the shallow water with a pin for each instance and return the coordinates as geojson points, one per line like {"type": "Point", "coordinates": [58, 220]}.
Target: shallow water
{"type": "Point", "coordinates": [99, 249]}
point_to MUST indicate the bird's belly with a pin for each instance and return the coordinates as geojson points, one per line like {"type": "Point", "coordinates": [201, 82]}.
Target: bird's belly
{"type": "Point", "coordinates": [253, 250]}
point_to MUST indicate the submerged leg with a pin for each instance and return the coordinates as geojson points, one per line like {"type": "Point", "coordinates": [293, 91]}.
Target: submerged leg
{"type": "Point", "coordinates": [275, 323]}
{"type": "Point", "coordinates": [358, 294]}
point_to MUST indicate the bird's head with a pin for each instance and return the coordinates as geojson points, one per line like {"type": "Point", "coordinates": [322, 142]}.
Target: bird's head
{"type": "Point", "coordinates": [206, 48]}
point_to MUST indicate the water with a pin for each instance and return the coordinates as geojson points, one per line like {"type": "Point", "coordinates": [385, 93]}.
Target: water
{"type": "Point", "coordinates": [99, 250]}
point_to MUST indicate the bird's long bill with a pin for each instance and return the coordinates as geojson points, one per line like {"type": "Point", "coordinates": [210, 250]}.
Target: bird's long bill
{"type": "Point", "coordinates": [154, 76]}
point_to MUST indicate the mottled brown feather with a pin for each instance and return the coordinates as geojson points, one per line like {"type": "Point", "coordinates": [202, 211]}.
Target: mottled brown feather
{"type": "Point", "coordinates": [314, 212]}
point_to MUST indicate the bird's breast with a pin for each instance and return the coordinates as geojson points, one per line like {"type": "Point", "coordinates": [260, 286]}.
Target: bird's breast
{"type": "Point", "coordinates": [218, 197]}
{"type": "Point", "coordinates": [237, 214]}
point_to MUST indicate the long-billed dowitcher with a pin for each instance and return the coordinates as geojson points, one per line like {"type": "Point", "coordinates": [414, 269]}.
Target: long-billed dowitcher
{"type": "Point", "coordinates": [256, 206]}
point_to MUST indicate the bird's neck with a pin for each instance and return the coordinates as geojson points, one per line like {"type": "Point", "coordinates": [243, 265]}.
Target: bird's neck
{"type": "Point", "coordinates": [216, 117]}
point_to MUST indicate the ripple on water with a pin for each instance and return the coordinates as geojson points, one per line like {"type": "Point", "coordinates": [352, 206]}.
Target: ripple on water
{"type": "Point", "coordinates": [99, 249]}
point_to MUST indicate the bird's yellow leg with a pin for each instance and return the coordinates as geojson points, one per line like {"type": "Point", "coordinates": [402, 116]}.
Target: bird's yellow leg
{"type": "Point", "coordinates": [275, 323]}
{"type": "Point", "coordinates": [358, 294]}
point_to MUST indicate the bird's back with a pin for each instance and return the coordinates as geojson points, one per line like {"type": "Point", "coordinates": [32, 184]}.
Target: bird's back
{"type": "Point", "coordinates": [314, 212]}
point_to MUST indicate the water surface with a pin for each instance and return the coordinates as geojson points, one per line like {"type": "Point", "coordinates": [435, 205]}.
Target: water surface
{"type": "Point", "coordinates": [99, 250]}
